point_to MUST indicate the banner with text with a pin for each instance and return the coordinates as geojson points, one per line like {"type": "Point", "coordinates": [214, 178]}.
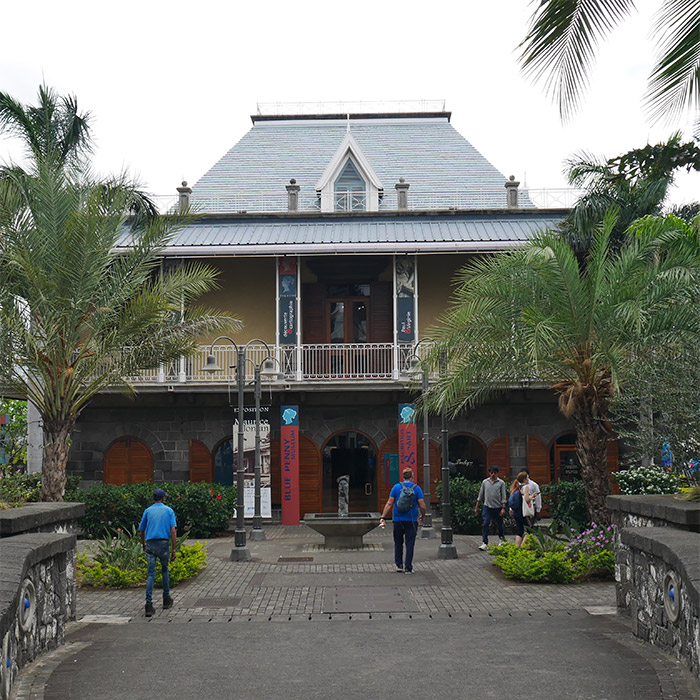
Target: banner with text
{"type": "Point", "coordinates": [288, 301]}
{"type": "Point", "coordinates": [408, 438]}
{"type": "Point", "coordinates": [289, 446]}
{"type": "Point", "coordinates": [405, 299]}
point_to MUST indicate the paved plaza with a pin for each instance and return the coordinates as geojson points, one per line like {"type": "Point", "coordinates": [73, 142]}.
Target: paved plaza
{"type": "Point", "coordinates": [301, 622]}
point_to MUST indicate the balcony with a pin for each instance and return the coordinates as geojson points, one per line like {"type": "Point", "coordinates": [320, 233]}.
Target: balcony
{"type": "Point", "coordinates": [315, 363]}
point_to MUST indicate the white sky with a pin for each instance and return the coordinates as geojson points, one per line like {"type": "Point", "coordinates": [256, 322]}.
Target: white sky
{"type": "Point", "coordinates": [171, 85]}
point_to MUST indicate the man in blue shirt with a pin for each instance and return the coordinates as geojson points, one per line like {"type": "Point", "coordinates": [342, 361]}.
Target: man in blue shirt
{"type": "Point", "coordinates": [158, 532]}
{"type": "Point", "coordinates": [405, 500]}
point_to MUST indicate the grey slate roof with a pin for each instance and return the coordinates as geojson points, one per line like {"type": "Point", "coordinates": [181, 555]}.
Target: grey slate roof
{"type": "Point", "coordinates": [428, 152]}
{"type": "Point", "coordinates": [462, 232]}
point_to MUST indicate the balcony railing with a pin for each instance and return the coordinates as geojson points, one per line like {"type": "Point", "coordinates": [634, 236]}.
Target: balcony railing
{"type": "Point", "coordinates": [418, 200]}
{"type": "Point", "coordinates": [304, 363]}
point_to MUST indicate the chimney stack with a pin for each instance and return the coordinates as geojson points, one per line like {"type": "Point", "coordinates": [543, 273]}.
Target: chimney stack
{"type": "Point", "coordinates": [293, 195]}
{"type": "Point", "coordinates": [184, 199]}
{"type": "Point", "coordinates": [402, 194]}
{"type": "Point", "coordinates": [512, 192]}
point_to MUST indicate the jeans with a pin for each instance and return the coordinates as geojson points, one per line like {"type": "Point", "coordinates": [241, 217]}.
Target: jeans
{"type": "Point", "coordinates": [491, 514]}
{"type": "Point", "coordinates": [404, 530]}
{"type": "Point", "coordinates": [157, 549]}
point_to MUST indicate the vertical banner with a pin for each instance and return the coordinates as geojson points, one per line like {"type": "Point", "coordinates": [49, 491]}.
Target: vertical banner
{"type": "Point", "coordinates": [408, 438]}
{"type": "Point", "coordinates": [289, 445]}
{"type": "Point", "coordinates": [391, 469]}
{"type": "Point", "coordinates": [288, 301]}
{"type": "Point", "coordinates": [405, 299]}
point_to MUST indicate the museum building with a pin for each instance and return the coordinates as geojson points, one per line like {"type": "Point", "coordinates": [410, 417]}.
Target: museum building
{"type": "Point", "coordinates": [337, 237]}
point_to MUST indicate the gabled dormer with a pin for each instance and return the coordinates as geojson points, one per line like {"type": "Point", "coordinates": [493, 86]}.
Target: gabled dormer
{"type": "Point", "coordinates": [349, 182]}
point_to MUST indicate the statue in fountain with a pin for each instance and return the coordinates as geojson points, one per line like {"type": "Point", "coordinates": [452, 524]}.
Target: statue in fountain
{"type": "Point", "coordinates": [343, 495]}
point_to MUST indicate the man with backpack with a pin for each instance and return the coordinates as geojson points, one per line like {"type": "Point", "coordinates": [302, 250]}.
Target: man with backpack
{"type": "Point", "coordinates": [405, 501]}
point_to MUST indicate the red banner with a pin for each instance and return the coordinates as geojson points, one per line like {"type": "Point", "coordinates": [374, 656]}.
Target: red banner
{"type": "Point", "coordinates": [289, 445]}
{"type": "Point", "coordinates": [408, 438]}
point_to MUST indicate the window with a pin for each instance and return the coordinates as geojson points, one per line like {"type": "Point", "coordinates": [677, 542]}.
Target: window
{"type": "Point", "coordinates": [350, 189]}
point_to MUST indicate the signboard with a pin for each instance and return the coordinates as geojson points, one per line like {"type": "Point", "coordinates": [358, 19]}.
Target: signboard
{"type": "Point", "coordinates": [289, 446]}
{"type": "Point", "coordinates": [408, 437]}
{"type": "Point", "coordinates": [249, 442]}
{"type": "Point", "coordinates": [265, 502]}
{"type": "Point", "coordinates": [287, 301]}
{"type": "Point", "coordinates": [391, 469]}
{"type": "Point", "coordinates": [405, 299]}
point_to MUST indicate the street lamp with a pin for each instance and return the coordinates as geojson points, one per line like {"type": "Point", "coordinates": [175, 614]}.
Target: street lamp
{"type": "Point", "coordinates": [415, 368]}
{"type": "Point", "coordinates": [447, 549]}
{"type": "Point", "coordinates": [240, 551]}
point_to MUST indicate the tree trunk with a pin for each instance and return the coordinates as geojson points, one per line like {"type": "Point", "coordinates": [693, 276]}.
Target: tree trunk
{"type": "Point", "coordinates": [592, 452]}
{"type": "Point", "coordinates": [56, 448]}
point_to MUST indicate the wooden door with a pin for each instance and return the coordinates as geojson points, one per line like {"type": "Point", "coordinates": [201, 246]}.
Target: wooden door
{"type": "Point", "coordinates": [538, 464]}
{"type": "Point", "coordinates": [309, 475]}
{"type": "Point", "coordinates": [128, 461]}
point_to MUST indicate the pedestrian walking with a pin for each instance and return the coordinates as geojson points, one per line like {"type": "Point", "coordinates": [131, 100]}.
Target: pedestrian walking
{"type": "Point", "coordinates": [536, 494]}
{"type": "Point", "coordinates": [519, 493]}
{"type": "Point", "coordinates": [405, 502]}
{"type": "Point", "coordinates": [158, 537]}
{"type": "Point", "coordinates": [493, 495]}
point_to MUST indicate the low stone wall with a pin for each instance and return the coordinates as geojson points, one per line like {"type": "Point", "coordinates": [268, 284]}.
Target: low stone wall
{"type": "Point", "coordinates": [657, 570]}
{"type": "Point", "coordinates": [37, 582]}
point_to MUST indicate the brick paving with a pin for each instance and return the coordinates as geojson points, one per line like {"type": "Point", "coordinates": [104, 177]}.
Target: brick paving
{"type": "Point", "coordinates": [268, 587]}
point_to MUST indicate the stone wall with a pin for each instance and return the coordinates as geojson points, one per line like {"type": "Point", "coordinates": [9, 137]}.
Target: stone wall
{"type": "Point", "coordinates": [657, 571]}
{"type": "Point", "coordinates": [37, 583]}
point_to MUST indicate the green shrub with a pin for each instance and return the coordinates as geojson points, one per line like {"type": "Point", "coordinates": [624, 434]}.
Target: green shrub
{"type": "Point", "coordinates": [567, 501]}
{"type": "Point", "coordinates": [200, 509]}
{"type": "Point", "coordinates": [119, 562]}
{"type": "Point", "coordinates": [531, 566]}
{"type": "Point", "coordinates": [647, 480]}
{"type": "Point", "coordinates": [18, 488]}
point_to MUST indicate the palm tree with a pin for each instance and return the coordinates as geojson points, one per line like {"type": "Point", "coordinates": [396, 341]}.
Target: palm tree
{"type": "Point", "coordinates": [535, 313]}
{"type": "Point", "coordinates": [76, 317]}
{"type": "Point", "coordinates": [560, 47]}
{"type": "Point", "coordinates": [53, 131]}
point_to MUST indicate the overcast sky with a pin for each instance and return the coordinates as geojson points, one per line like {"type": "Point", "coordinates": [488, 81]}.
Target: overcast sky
{"type": "Point", "coordinates": [171, 85]}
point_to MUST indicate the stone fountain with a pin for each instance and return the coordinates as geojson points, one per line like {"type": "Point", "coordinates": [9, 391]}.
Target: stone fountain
{"type": "Point", "coordinates": [342, 530]}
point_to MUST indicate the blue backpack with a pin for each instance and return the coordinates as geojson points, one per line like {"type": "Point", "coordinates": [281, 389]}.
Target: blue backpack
{"type": "Point", "coordinates": [404, 502]}
{"type": "Point", "coordinates": [515, 501]}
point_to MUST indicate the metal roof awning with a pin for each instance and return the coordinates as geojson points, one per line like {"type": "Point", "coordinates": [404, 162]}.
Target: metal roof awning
{"type": "Point", "coordinates": [347, 236]}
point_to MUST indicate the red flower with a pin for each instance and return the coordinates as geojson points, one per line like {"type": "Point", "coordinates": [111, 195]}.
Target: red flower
{"type": "Point", "coordinates": [211, 492]}
{"type": "Point", "coordinates": [218, 496]}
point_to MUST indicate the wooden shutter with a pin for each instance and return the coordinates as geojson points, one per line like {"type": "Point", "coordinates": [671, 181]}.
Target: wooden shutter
{"type": "Point", "coordinates": [313, 326]}
{"type": "Point", "coordinates": [310, 477]}
{"type": "Point", "coordinates": [381, 313]}
{"type": "Point", "coordinates": [116, 464]}
{"type": "Point", "coordinates": [140, 462]}
{"type": "Point", "coordinates": [538, 460]}
{"type": "Point", "coordinates": [201, 463]}
{"type": "Point", "coordinates": [498, 453]}
{"type": "Point", "coordinates": [128, 461]}
{"type": "Point", "coordinates": [613, 462]}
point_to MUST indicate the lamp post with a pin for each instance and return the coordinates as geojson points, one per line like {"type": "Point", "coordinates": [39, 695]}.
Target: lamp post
{"type": "Point", "coordinates": [447, 549]}
{"type": "Point", "coordinates": [240, 551]}
{"type": "Point", "coordinates": [427, 531]}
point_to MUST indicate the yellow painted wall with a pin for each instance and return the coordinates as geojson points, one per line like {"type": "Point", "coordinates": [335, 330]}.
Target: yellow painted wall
{"type": "Point", "coordinates": [436, 275]}
{"type": "Point", "coordinates": [247, 289]}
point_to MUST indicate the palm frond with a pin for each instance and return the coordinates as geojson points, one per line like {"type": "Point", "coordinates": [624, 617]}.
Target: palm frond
{"type": "Point", "coordinates": [560, 46]}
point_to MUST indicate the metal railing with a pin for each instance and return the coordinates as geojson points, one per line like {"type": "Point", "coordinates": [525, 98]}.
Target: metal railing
{"type": "Point", "coordinates": [433, 200]}
{"type": "Point", "coordinates": [314, 362]}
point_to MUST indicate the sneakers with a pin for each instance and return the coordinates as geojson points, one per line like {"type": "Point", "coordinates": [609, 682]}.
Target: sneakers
{"type": "Point", "coordinates": [483, 546]}
{"type": "Point", "coordinates": [167, 602]}
{"type": "Point", "coordinates": [150, 610]}
{"type": "Point", "coordinates": [399, 569]}
{"type": "Point", "coordinates": [408, 571]}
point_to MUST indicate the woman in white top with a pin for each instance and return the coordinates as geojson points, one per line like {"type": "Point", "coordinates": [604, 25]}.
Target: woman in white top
{"type": "Point", "coordinates": [519, 490]}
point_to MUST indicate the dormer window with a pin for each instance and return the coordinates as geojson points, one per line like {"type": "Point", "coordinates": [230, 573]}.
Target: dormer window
{"type": "Point", "coordinates": [349, 182]}
{"type": "Point", "coordinates": [350, 189]}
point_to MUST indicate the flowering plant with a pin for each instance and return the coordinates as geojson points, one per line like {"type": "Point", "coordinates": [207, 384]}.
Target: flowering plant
{"type": "Point", "coordinates": [647, 480]}
{"type": "Point", "coordinates": [592, 540]}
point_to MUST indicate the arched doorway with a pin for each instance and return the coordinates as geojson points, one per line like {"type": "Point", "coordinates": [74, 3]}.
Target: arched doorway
{"type": "Point", "coordinates": [563, 458]}
{"type": "Point", "coordinates": [128, 460]}
{"type": "Point", "coordinates": [354, 454]}
{"type": "Point", "coordinates": [468, 455]}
